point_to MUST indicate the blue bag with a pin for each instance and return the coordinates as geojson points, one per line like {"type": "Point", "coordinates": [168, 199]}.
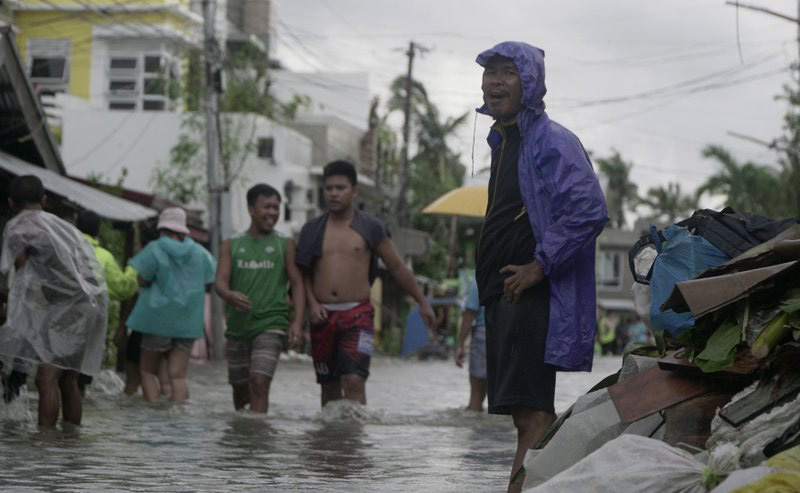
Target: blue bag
{"type": "Point", "coordinates": [681, 256]}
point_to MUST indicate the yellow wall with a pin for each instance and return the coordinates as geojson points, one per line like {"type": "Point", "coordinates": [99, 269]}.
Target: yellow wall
{"type": "Point", "coordinates": [77, 27]}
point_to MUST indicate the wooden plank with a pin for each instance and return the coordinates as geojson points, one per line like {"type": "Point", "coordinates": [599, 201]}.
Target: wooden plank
{"type": "Point", "coordinates": [654, 390]}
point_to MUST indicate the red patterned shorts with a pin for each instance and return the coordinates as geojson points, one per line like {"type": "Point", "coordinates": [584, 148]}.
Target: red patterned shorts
{"type": "Point", "coordinates": [343, 343]}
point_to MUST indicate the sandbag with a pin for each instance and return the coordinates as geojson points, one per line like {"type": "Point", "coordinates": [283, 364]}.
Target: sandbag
{"type": "Point", "coordinates": [631, 464]}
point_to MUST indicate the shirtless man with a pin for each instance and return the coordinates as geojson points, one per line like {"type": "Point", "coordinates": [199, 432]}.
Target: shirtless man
{"type": "Point", "coordinates": [338, 252]}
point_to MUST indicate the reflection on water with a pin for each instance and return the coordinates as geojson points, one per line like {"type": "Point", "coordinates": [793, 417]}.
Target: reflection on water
{"type": "Point", "coordinates": [414, 435]}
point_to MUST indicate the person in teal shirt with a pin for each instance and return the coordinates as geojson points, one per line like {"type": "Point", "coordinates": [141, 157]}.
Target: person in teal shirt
{"type": "Point", "coordinates": [174, 272]}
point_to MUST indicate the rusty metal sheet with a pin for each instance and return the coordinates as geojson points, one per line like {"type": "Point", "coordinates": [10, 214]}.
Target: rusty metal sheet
{"type": "Point", "coordinates": [654, 390]}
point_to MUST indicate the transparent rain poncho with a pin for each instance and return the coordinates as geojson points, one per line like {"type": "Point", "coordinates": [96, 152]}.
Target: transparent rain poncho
{"type": "Point", "coordinates": [57, 299]}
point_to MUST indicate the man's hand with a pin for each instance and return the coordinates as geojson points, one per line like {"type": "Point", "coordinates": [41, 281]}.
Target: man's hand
{"type": "Point", "coordinates": [523, 277]}
{"type": "Point", "coordinates": [427, 314]}
{"type": "Point", "coordinates": [317, 313]}
{"type": "Point", "coordinates": [239, 301]}
{"type": "Point", "coordinates": [460, 356]}
{"type": "Point", "coordinates": [295, 335]}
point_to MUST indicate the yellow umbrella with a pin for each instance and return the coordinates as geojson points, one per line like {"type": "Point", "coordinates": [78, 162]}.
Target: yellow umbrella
{"type": "Point", "coordinates": [469, 201]}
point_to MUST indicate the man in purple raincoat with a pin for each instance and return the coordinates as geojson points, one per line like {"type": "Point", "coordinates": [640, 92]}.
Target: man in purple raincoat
{"type": "Point", "coordinates": [535, 265]}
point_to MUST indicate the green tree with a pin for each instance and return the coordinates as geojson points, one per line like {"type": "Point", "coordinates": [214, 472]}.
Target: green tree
{"type": "Point", "coordinates": [746, 186]}
{"type": "Point", "coordinates": [669, 204]}
{"type": "Point", "coordinates": [788, 145]}
{"type": "Point", "coordinates": [621, 192]}
{"type": "Point", "coordinates": [184, 178]}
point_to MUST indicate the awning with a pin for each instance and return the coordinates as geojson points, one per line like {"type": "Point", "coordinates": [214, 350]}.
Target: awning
{"type": "Point", "coordinates": [84, 196]}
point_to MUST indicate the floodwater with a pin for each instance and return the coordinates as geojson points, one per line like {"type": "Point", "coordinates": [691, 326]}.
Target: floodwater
{"type": "Point", "coordinates": [412, 436]}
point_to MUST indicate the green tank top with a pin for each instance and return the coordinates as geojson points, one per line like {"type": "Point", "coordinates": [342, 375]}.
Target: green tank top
{"type": "Point", "coordinates": [258, 270]}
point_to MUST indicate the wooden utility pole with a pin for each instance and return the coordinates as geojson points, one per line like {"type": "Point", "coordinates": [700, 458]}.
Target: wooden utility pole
{"type": "Point", "coordinates": [212, 72]}
{"type": "Point", "coordinates": [405, 170]}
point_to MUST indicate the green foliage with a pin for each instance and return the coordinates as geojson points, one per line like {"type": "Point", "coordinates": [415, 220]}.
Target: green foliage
{"type": "Point", "coordinates": [668, 204]}
{"type": "Point", "coordinates": [621, 193]}
{"type": "Point", "coordinates": [747, 186]}
{"type": "Point", "coordinates": [791, 301]}
{"type": "Point", "coordinates": [720, 349]}
{"type": "Point", "coordinates": [184, 178]}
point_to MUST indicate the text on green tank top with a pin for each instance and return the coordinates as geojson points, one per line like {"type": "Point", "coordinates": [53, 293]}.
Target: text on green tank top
{"type": "Point", "coordinates": [258, 270]}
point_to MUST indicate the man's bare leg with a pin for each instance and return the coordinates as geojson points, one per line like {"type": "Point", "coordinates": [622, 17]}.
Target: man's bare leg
{"type": "Point", "coordinates": [354, 388]}
{"type": "Point", "coordinates": [163, 375]}
{"type": "Point", "coordinates": [148, 366]}
{"type": "Point", "coordinates": [477, 393]}
{"type": "Point", "coordinates": [259, 392]}
{"type": "Point", "coordinates": [241, 396]}
{"type": "Point", "coordinates": [132, 377]}
{"type": "Point", "coordinates": [178, 362]}
{"type": "Point", "coordinates": [49, 394]}
{"type": "Point", "coordinates": [331, 391]}
{"type": "Point", "coordinates": [531, 425]}
{"type": "Point", "coordinates": [71, 405]}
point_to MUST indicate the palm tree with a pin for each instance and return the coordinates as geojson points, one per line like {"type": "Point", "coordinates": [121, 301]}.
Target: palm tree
{"type": "Point", "coordinates": [746, 186]}
{"type": "Point", "coordinates": [621, 192]}
{"type": "Point", "coordinates": [668, 203]}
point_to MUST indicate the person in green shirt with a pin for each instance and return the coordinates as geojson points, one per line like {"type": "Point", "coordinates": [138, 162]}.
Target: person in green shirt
{"type": "Point", "coordinates": [121, 284]}
{"type": "Point", "coordinates": [254, 272]}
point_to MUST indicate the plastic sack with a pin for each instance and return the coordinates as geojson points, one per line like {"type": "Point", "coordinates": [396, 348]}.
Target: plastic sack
{"type": "Point", "coordinates": [631, 464]}
{"type": "Point", "coordinates": [57, 301]}
{"type": "Point", "coordinates": [681, 257]}
{"type": "Point", "coordinates": [594, 422]}
{"type": "Point", "coordinates": [752, 436]}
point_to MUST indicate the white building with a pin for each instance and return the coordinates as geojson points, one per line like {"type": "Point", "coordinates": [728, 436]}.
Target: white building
{"type": "Point", "coordinates": [103, 142]}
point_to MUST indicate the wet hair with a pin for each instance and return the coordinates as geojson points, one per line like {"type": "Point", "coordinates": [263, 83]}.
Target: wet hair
{"type": "Point", "coordinates": [88, 222]}
{"type": "Point", "coordinates": [261, 189]}
{"type": "Point", "coordinates": [340, 168]}
{"type": "Point", "coordinates": [26, 189]}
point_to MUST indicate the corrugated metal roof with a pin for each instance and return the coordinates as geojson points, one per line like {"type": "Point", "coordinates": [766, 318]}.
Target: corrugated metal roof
{"type": "Point", "coordinates": [84, 196]}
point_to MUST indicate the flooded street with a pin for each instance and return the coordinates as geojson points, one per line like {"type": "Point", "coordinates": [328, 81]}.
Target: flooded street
{"type": "Point", "coordinates": [413, 436]}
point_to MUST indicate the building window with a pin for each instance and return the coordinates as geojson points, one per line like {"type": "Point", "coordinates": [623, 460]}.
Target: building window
{"type": "Point", "coordinates": [145, 81]}
{"type": "Point", "coordinates": [266, 146]}
{"type": "Point", "coordinates": [609, 269]}
{"type": "Point", "coordinates": [48, 62]}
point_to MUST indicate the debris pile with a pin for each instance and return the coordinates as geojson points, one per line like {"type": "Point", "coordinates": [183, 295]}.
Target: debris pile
{"type": "Point", "coordinates": [715, 405]}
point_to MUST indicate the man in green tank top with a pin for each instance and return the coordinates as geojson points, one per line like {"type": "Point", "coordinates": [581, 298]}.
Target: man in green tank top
{"type": "Point", "coordinates": [254, 271]}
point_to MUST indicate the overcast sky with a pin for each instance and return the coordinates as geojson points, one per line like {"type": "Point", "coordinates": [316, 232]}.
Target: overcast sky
{"type": "Point", "coordinates": [656, 80]}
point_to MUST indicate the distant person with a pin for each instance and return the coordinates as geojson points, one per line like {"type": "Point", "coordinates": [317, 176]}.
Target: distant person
{"type": "Point", "coordinates": [56, 305]}
{"type": "Point", "coordinates": [607, 333]}
{"type": "Point", "coordinates": [132, 342]}
{"type": "Point", "coordinates": [536, 253]}
{"type": "Point", "coordinates": [121, 284]}
{"type": "Point", "coordinates": [174, 272]}
{"type": "Point", "coordinates": [473, 325]}
{"type": "Point", "coordinates": [254, 273]}
{"type": "Point", "coordinates": [338, 252]}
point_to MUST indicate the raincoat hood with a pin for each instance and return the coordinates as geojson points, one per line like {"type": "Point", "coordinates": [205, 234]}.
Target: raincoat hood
{"type": "Point", "coordinates": [179, 251]}
{"type": "Point", "coordinates": [529, 61]}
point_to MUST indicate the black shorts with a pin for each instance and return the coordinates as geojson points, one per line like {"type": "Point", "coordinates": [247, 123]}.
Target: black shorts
{"type": "Point", "coordinates": [133, 348]}
{"type": "Point", "coordinates": [516, 335]}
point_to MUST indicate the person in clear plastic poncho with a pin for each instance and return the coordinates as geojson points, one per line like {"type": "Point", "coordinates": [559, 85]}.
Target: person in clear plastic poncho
{"type": "Point", "coordinates": [56, 304]}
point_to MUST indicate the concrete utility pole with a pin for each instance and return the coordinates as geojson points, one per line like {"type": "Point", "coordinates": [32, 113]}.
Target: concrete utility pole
{"type": "Point", "coordinates": [211, 53]}
{"type": "Point", "coordinates": [405, 170]}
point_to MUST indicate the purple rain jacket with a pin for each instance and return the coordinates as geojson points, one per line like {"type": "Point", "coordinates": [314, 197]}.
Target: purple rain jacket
{"type": "Point", "coordinates": [565, 207]}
